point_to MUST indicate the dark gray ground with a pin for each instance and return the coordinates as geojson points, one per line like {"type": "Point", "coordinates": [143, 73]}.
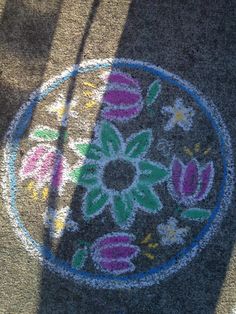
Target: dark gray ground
{"type": "Point", "coordinates": [194, 39]}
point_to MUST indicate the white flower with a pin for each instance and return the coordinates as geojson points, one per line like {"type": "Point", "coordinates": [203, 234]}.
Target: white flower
{"type": "Point", "coordinates": [62, 109]}
{"type": "Point", "coordinates": [59, 221]}
{"type": "Point", "coordinates": [170, 233]}
{"type": "Point", "coordinates": [181, 116]}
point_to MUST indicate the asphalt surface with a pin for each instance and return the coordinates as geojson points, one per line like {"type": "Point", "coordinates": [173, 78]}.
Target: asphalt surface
{"type": "Point", "coordinates": [193, 39]}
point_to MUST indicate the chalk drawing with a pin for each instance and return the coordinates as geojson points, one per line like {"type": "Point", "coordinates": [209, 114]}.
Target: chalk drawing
{"type": "Point", "coordinates": [164, 147]}
{"type": "Point", "coordinates": [170, 233]}
{"type": "Point", "coordinates": [58, 108]}
{"type": "Point", "coordinates": [46, 166]}
{"type": "Point", "coordinates": [148, 247]}
{"type": "Point", "coordinates": [196, 214]}
{"type": "Point", "coordinates": [120, 174]}
{"type": "Point", "coordinates": [44, 133]}
{"type": "Point", "coordinates": [191, 183]}
{"type": "Point", "coordinates": [59, 221]}
{"type": "Point", "coordinates": [196, 150]}
{"type": "Point", "coordinates": [110, 154]}
{"type": "Point", "coordinates": [122, 95]}
{"type": "Point", "coordinates": [79, 258]}
{"type": "Point", "coordinates": [181, 116]}
{"type": "Point", "coordinates": [153, 92]}
{"type": "Point", "coordinates": [113, 253]}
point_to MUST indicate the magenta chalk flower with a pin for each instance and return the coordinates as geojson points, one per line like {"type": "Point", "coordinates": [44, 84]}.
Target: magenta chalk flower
{"type": "Point", "coordinates": [46, 166]}
{"type": "Point", "coordinates": [122, 96]}
{"type": "Point", "coordinates": [190, 183]}
{"type": "Point", "coordinates": [113, 252]}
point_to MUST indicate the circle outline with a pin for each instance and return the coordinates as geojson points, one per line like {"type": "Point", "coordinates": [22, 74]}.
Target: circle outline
{"type": "Point", "coordinates": [186, 254]}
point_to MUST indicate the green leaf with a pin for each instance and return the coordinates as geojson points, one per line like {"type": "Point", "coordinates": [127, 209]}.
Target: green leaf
{"type": "Point", "coordinates": [95, 201]}
{"type": "Point", "coordinates": [151, 112]}
{"type": "Point", "coordinates": [82, 148]}
{"type": "Point", "coordinates": [152, 173]}
{"type": "Point", "coordinates": [147, 199]}
{"type": "Point", "coordinates": [123, 210]}
{"type": "Point", "coordinates": [79, 258]}
{"type": "Point", "coordinates": [45, 134]}
{"type": "Point", "coordinates": [152, 93]}
{"type": "Point", "coordinates": [83, 243]}
{"type": "Point", "coordinates": [84, 175]}
{"type": "Point", "coordinates": [138, 144]}
{"type": "Point", "coordinates": [196, 214]}
{"type": "Point", "coordinates": [90, 151]}
{"type": "Point", "coordinates": [110, 137]}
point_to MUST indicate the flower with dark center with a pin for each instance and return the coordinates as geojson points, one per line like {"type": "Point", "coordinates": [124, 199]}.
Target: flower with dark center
{"type": "Point", "coordinates": [117, 174]}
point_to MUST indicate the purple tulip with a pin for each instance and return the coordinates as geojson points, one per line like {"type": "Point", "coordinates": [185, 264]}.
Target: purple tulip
{"type": "Point", "coordinates": [190, 183]}
{"type": "Point", "coordinates": [122, 96]}
{"type": "Point", "coordinates": [45, 166]}
{"type": "Point", "coordinates": [113, 252]}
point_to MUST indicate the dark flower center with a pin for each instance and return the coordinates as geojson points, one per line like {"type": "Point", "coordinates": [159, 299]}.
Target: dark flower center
{"type": "Point", "coordinates": [118, 174]}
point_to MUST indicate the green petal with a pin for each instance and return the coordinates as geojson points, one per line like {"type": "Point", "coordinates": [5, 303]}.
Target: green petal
{"type": "Point", "coordinates": [152, 173]}
{"type": "Point", "coordinates": [84, 175]}
{"type": "Point", "coordinates": [111, 141]}
{"type": "Point", "coordinates": [153, 91]}
{"type": "Point", "coordinates": [147, 199]}
{"type": "Point", "coordinates": [45, 134]}
{"type": "Point", "coordinates": [95, 201]}
{"type": "Point", "coordinates": [123, 210]}
{"type": "Point", "coordinates": [196, 214]}
{"type": "Point", "coordinates": [90, 151]}
{"type": "Point", "coordinates": [138, 144]}
{"type": "Point", "coordinates": [79, 258]}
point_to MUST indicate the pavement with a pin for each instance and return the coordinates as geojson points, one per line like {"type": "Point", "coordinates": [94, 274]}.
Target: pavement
{"type": "Point", "coordinates": [38, 41]}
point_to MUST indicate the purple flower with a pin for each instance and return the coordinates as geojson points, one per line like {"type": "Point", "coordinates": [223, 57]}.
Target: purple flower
{"type": "Point", "coordinates": [190, 183]}
{"type": "Point", "coordinates": [122, 96]}
{"type": "Point", "coordinates": [113, 252]}
{"type": "Point", "coordinates": [45, 165]}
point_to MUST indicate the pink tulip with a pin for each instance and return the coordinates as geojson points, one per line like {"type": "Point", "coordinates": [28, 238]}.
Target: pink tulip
{"type": "Point", "coordinates": [190, 183]}
{"type": "Point", "coordinates": [122, 97]}
{"type": "Point", "coordinates": [113, 252]}
{"type": "Point", "coordinates": [45, 165]}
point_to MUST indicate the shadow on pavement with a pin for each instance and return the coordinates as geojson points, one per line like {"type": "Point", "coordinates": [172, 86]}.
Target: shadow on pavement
{"type": "Point", "coordinates": [26, 35]}
{"type": "Point", "coordinates": [191, 39]}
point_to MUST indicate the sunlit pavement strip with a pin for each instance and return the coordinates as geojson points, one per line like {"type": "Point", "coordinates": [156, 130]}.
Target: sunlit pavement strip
{"type": "Point", "coordinates": [2, 5]}
{"type": "Point", "coordinates": [227, 299]}
{"type": "Point", "coordinates": [122, 232]}
{"type": "Point", "coordinates": [70, 31]}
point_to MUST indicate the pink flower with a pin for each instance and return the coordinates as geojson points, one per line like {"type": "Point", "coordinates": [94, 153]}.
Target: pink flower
{"type": "Point", "coordinates": [190, 183]}
{"type": "Point", "coordinates": [113, 252]}
{"type": "Point", "coordinates": [122, 96]}
{"type": "Point", "coordinates": [45, 165]}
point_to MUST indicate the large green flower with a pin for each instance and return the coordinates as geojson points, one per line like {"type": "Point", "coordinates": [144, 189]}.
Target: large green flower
{"type": "Point", "coordinates": [116, 173]}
